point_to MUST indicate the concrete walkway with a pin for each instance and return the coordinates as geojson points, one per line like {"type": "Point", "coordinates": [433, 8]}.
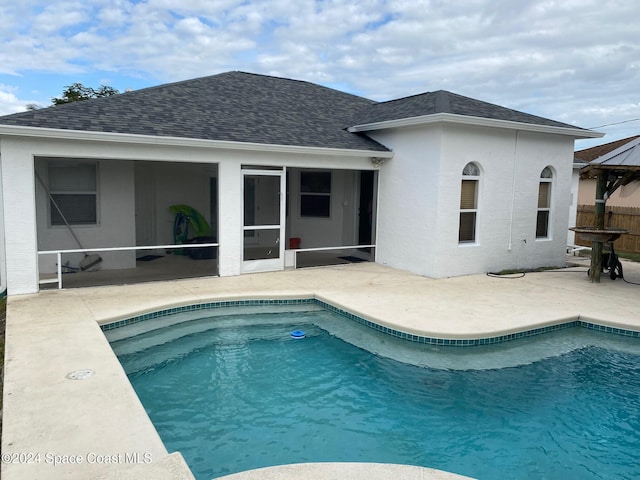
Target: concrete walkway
{"type": "Point", "coordinates": [56, 426]}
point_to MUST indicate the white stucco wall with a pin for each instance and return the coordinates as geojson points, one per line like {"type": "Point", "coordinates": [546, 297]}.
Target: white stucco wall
{"type": "Point", "coordinates": [18, 190]}
{"type": "Point", "coordinates": [408, 198]}
{"type": "Point", "coordinates": [117, 179]}
{"type": "Point", "coordinates": [230, 226]}
{"type": "Point", "coordinates": [418, 203]}
{"type": "Point", "coordinates": [420, 198]}
{"type": "Point", "coordinates": [511, 164]}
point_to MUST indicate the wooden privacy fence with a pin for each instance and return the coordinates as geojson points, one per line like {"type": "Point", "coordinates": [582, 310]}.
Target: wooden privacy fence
{"type": "Point", "coordinates": [615, 217]}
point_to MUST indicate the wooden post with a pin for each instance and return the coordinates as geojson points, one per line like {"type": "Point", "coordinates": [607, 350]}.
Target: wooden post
{"type": "Point", "coordinates": [596, 251]}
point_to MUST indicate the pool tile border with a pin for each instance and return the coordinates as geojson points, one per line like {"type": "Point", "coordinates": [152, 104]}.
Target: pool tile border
{"type": "Point", "coordinates": [202, 306]}
{"type": "Point", "coordinates": [453, 342]}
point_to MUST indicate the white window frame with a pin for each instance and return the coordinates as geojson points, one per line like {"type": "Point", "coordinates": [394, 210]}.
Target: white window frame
{"type": "Point", "coordinates": [69, 164]}
{"type": "Point", "coordinates": [546, 178]}
{"type": "Point", "coordinates": [470, 172]}
{"type": "Point", "coordinates": [316, 194]}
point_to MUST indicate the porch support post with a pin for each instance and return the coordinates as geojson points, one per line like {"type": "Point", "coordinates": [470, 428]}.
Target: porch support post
{"type": "Point", "coordinates": [230, 213]}
{"type": "Point", "coordinates": [18, 192]}
{"type": "Point", "coordinates": [598, 223]}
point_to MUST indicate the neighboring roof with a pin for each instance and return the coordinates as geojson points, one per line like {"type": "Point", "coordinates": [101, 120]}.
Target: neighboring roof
{"type": "Point", "coordinates": [592, 153]}
{"type": "Point", "coordinates": [232, 106]}
{"type": "Point", "coordinates": [258, 109]}
{"type": "Point", "coordinates": [578, 163]}
{"type": "Point", "coordinates": [622, 166]}
{"type": "Point", "coordinates": [626, 157]}
{"type": "Point", "coordinates": [441, 101]}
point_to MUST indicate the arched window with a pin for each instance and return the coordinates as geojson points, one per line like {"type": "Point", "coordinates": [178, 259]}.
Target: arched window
{"type": "Point", "coordinates": [469, 203]}
{"type": "Point", "coordinates": [544, 203]}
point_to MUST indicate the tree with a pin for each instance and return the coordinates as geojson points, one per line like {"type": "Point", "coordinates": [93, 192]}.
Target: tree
{"type": "Point", "coordinates": [77, 92]}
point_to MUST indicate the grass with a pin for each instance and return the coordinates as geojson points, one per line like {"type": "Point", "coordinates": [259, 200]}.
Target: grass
{"type": "Point", "coordinates": [631, 256]}
{"type": "Point", "coordinates": [523, 270]}
{"type": "Point", "coordinates": [3, 317]}
{"type": "Point", "coordinates": [634, 257]}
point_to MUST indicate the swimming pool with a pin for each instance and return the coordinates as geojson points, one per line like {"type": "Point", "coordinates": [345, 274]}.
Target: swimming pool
{"type": "Point", "coordinates": [233, 391]}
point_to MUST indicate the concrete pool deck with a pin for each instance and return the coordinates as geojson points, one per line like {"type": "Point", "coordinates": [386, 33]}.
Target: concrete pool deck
{"type": "Point", "coordinates": [58, 427]}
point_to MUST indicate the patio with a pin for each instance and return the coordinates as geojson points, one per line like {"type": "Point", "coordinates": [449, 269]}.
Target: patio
{"type": "Point", "coordinates": [55, 333]}
{"type": "Point", "coordinates": [168, 267]}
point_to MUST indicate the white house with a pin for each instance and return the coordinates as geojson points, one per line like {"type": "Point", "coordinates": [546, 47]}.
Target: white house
{"type": "Point", "coordinates": [441, 184]}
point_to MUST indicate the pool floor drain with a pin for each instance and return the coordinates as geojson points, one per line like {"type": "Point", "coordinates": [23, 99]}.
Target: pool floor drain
{"type": "Point", "coordinates": [80, 374]}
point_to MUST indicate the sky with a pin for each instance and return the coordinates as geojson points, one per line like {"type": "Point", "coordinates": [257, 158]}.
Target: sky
{"type": "Point", "coordinates": [575, 61]}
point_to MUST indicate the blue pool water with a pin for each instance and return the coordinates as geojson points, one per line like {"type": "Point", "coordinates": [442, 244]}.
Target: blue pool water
{"type": "Point", "coordinates": [236, 392]}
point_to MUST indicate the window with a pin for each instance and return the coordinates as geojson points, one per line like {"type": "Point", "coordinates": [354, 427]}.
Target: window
{"type": "Point", "coordinates": [315, 194]}
{"type": "Point", "coordinates": [544, 203]}
{"type": "Point", "coordinates": [469, 203]}
{"type": "Point", "coordinates": [73, 187]}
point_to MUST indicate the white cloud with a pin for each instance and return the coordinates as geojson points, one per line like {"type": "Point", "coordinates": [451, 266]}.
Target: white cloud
{"type": "Point", "coordinates": [572, 60]}
{"type": "Point", "coordinates": [57, 16]}
{"type": "Point", "coordinates": [10, 103]}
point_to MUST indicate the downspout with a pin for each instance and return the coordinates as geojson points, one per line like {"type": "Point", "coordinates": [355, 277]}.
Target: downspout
{"type": "Point", "coordinates": [513, 192]}
{"type": "Point", "coordinates": [3, 262]}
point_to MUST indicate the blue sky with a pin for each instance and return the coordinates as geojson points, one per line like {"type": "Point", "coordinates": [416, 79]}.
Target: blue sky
{"type": "Point", "coordinates": [576, 61]}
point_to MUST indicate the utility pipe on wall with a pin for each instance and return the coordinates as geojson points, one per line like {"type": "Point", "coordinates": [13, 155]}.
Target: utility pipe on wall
{"type": "Point", "coordinates": [513, 191]}
{"type": "Point", "coordinates": [3, 263]}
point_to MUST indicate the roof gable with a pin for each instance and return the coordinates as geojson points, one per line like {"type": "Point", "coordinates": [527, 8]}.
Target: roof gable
{"type": "Point", "coordinates": [442, 101]}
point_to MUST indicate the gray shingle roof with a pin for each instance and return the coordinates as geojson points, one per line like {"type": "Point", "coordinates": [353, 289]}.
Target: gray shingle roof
{"type": "Point", "coordinates": [232, 106]}
{"type": "Point", "coordinates": [442, 101]}
{"type": "Point", "coordinates": [251, 108]}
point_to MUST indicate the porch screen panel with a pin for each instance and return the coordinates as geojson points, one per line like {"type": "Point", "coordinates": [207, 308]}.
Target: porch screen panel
{"type": "Point", "coordinates": [263, 212]}
{"type": "Point", "coordinates": [261, 200]}
{"type": "Point", "coordinates": [263, 246]}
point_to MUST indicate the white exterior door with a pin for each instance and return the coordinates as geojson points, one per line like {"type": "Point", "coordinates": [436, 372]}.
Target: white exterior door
{"type": "Point", "coordinates": [264, 219]}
